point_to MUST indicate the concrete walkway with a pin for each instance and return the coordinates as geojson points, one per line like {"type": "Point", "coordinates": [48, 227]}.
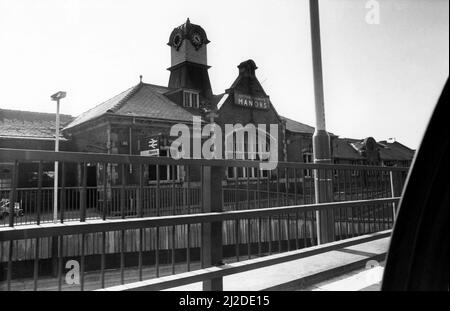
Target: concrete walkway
{"type": "Point", "coordinates": [305, 273]}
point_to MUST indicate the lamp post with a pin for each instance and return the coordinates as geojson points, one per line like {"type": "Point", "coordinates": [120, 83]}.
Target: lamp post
{"type": "Point", "coordinates": [56, 97]}
{"type": "Point", "coordinates": [321, 139]}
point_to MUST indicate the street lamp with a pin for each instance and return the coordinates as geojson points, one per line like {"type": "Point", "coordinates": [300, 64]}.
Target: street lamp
{"type": "Point", "coordinates": [56, 97]}
{"type": "Point", "coordinates": [321, 138]}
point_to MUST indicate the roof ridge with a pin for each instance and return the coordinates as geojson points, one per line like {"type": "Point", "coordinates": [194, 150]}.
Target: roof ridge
{"type": "Point", "coordinates": [34, 112]}
{"type": "Point", "coordinates": [121, 102]}
{"type": "Point", "coordinates": [151, 84]}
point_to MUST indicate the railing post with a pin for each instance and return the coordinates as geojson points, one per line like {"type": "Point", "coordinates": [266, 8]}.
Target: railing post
{"type": "Point", "coordinates": [12, 193]}
{"type": "Point", "coordinates": [324, 193]}
{"type": "Point", "coordinates": [212, 232]}
{"type": "Point", "coordinates": [394, 192]}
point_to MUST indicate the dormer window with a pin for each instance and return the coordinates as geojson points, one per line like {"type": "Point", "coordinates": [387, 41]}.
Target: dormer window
{"type": "Point", "coordinates": [191, 99]}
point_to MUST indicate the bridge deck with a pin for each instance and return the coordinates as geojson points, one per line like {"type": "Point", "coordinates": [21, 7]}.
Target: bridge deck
{"type": "Point", "coordinates": [303, 273]}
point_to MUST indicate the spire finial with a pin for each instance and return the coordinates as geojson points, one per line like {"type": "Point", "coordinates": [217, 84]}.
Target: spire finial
{"type": "Point", "coordinates": [188, 21]}
{"type": "Point", "coordinates": [140, 79]}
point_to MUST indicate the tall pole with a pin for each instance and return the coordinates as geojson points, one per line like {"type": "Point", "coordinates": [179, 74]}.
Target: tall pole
{"type": "Point", "coordinates": [55, 186]}
{"type": "Point", "coordinates": [56, 97]}
{"type": "Point", "coordinates": [321, 139]}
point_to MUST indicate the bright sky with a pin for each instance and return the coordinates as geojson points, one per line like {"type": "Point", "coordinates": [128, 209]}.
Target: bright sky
{"type": "Point", "coordinates": [380, 80]}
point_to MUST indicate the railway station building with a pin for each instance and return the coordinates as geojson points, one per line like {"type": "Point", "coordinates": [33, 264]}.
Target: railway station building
{"type": "Point", "coordinates": [138, 121]}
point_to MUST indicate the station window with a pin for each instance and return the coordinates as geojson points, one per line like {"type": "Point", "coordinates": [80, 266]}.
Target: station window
{"type": "Point", "coordinates": [191, 99]}
{"type": "Point", "coordinates": [248, 152]}
{"type": "Point", "coordinates": [307, 158]}
{"type": "Point", "coordinates": [166, 172]}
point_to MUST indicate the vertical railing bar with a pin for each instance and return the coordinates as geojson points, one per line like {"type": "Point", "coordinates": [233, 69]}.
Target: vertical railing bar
{"type": "Point", "coordinates": [237, 222]}
{"type": "Point", "coordinates": [345, 199]}
{"type": "Point", "coordinates": [259, 207]}
{"type": "Point", "coordinates": [157, 194]}
{"type": "Point", "coordinates": [383, 181]}
{"type": "Point", "coordinates": [279, 233]}
{"type": "Point", "coordinates": [295, 186]}
{"type": "Point", "coordinates": [188, 236]}
{"type": "Point", "coordinates": [286, 186]}
{"type": "Point", "coordinates": [83, 194]}
{"type": "Point", "coordinates": [105, 190]}
{"type": "Point", "coordinates": [60, 259]}
{"type": "Point", "coordinates": [236, 201]}
{"type": "Point", "coordinates": [202, 244]}
{"type": "Point", "coordinates": [141, 246]}
{"type": "Point", "coordinates": [278, 186]}
{"type": "Point", "coordinates": [373, 207]}
{"type": "Point", "coordinates": [9, 271]}
{"type": "Point", "coordinates": [36, 264]}
{"type": "Point", "coordinates": [237, 238]}
{"type": "Point", "coordinates": [269, 177]}
{"type": "Point", "coordinates": [202, 263]}
{"type": "Point", "coordinates": [378, 190]}
{"type": "Point", "coordinates": [288, 224]}
{"type": "Point", "coordinates": [140, 199]}
{"type": "Point", "coordinates": [62, 203]}
{"type": "Point", "coordinates": [351, 209]}
{"type": "Point", "coordinates": [278, 204]}
{"type": "Point", "coordinates": [13, 193]}
{"type": "Point", "coordinates": [288, 233]}
{"type": "Point", "coordinates": [364, 195]}
{"type": "Point", "coordinates": [39, 194]}
{"type": "Point", "coordinates": [82, 263]}
{"type": "Point", "coordinates": [249, 255]}
{"type": "Point", "coordinates": [122, 193]}
{"type": "Point", "coordinates": [122, 256]}
{"type": "Point", "coordinates": [157, 252]}
{"type": "Point", "coordinates": [102, 260]}
{"type": "Point", "coordinates": [305, 222]}
{"type": "Point", "coordinates": [122, 232]}
{"type": "Point", "coordinates": [173, 250]}
{"type": "Point", "coordinates": [296, 230]}
{"type": "Point", "coordinates": [172, 169]}
{"type": "Point", "coordinates": [201, 188]}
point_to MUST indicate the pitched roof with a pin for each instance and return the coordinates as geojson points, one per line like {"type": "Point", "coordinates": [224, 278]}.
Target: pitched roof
{"type": "Point", "coordinates": [343, 149]}
{"type": "Point", "coordinates": [347, 148]}
{"type": "Point", "coordinates": [395, 151]}
{"type": "Point", "coordinates": [143, 100]}
{"type": "Point", "coordinates": [297, 127]}
{"type": "Point", "coordinates": [29, 124]}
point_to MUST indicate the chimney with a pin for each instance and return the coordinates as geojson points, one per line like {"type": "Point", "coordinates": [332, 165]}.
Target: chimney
{"type": "Point", "coordinates": [247, 68]}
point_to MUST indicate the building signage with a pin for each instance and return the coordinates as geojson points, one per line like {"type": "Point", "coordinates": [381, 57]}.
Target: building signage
{"type": "Point", "coordinates": [251, 101]}
{"type": "Point", "coordinates": [151, 147]}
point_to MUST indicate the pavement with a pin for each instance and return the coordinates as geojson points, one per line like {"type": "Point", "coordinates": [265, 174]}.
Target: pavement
{"type": "Point", "coordinates": [358, 267]}
{"type": "Point", "coordinates": [367, 279]}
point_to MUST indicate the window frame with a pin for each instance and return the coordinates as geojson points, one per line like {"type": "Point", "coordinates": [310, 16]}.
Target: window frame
{"type": "Point", "coordinates": [191, 99]}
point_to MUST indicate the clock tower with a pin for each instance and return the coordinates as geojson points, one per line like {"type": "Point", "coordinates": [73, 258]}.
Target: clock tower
{"type": "Point", "coordinates": [189, 69]}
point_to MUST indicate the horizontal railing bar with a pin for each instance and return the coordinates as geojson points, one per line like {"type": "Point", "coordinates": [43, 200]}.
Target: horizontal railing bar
{"type": "Point", "coordinates": [243, 266]}
{"type": "Point", "coordinates": [77, 157]}
{"type": "Point", "coordinates": [98, 225]}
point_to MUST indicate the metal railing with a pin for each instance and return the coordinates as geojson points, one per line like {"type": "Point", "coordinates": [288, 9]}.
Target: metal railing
{"type": "Point", "coordinates": [139, 229]}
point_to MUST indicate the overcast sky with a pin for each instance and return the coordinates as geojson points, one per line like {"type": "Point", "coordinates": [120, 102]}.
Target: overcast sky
{"type": "Point", "coordinates": [380, 80]}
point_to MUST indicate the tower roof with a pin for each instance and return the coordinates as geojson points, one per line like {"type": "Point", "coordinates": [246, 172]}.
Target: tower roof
{"type": "Point", "coordinates": [187, 31]}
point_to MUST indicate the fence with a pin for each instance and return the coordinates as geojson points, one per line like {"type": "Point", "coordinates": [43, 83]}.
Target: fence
{"type": "Point", "coordinates": [146, 231]}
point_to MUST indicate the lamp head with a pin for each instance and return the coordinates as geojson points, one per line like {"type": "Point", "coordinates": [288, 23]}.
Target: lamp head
{"type": "Point", "coordinates": [58, 95]}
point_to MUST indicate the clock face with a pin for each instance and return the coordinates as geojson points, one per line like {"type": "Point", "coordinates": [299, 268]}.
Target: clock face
{"type": "Point", "coordinates": [196, 39]}
{"type": "Point", "coordinates": [177, 40]}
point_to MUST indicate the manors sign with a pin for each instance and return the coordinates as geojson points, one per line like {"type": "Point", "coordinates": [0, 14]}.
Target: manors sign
{"type": "Point", "coordinates": [251, 101]}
